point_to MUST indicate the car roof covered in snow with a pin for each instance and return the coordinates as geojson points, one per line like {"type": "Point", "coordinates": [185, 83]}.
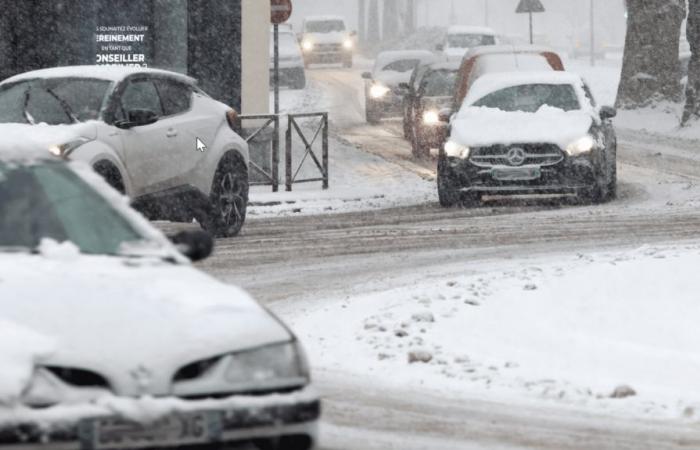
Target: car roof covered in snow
{"type": "Point", "coordinates": [496, 49]}
{"type": "Point", "coordinates": [468, 29]}
{"type": "Point", "coordinates": [424, 56]}
{"type": "Point", "coordinates": [492, 82]}
{"type": "Point", "coordinates": [109, 73]}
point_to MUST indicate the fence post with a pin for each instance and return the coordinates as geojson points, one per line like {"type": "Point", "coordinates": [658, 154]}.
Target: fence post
{"type": "Point", "coordinates": [325, 151]}
{"type": "Point", "coordinates": [288, 155]}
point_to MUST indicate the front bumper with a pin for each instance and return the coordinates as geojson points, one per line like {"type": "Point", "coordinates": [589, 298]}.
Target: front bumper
{"type": "Point", "coordinates": [287, 420]}
{"type": "Point", "coordinates": [570, 176]}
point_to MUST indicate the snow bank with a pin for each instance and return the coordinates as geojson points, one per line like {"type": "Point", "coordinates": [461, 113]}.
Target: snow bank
{"type": "Point", "coordinates": [570, 330]}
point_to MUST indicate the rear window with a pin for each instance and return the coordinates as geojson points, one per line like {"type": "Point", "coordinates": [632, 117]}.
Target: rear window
{"type": "Point", "coordinates": [532, 97]}
{"type": "Point", "coordinates": [440, 83]}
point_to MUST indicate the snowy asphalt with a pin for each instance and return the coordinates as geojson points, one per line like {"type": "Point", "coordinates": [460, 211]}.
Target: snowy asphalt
{"type": "Point", "coordinates": [288, 259]}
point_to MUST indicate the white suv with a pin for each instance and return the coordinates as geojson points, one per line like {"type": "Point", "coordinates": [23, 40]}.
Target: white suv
{"type": "Point", "coordinates": [152, 134]}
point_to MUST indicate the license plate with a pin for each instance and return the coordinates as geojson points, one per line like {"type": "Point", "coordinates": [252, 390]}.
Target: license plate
{"type": "Point", "coordinates": [175, 430]}
{"type": "Point", "coordinates": [515, 173]}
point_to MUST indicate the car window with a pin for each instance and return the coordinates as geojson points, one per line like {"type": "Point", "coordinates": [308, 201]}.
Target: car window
{"type": "Point", "coordinates": [175, 97]}
{"type": "Point", "coordinates": [439, 83]}
{"type": "Point", "coordinates": [402, 65]}
{"type": "Point", "coordinates": [50, 201]}
{"type": "Point", "coordinates": [589, 95]}
{"type": "Point", "coordinates": [325, 26]}
{"type": "Point", "coordinates": [469, 40]}
{"type": "Point", "coordinates": [43, 107]}
{"type": "Point", "coordinates": [531, 97]}
{"type": "Point", "coordinates": [85, 97]}
{"type": "Point", "coordinates": [142, 94]}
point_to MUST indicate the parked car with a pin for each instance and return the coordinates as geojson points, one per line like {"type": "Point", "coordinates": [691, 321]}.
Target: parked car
{"type": "Point", "coordinates": [460, 39]}
{"type": "Point", "coordinates": [430, 90]}
{"type": "Point", "coordinates": [528, 133]}
{"type": "Point", "coordinates": [326, 40]}
{"type": "Point", "coordinates": [291, 60]}
{"type": "Point", "coordinates": [152, 134]}
{"type": "Point", "coordinates": [111, 339]}
{"type": "Point", "coordinates": [383, 91]}
{"type": "Point", "coordinates": [503, 58]}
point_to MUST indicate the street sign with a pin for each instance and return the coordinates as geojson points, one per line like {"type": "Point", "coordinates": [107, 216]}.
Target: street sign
{"type": "Point", "coordinates": [280, 11]}
{"type": "Point", "coordinates": [530, 6]}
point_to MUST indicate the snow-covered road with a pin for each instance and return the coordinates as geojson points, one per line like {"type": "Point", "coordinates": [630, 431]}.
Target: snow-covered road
{"type": "Point", "coordinates": [340, 266]}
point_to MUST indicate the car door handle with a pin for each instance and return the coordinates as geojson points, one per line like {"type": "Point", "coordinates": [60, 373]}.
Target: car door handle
{"type": "Point", "coordinates": [171, 133]}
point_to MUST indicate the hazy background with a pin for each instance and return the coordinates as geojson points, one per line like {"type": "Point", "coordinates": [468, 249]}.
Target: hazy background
{"type": "Point", "coordinates": [565, 23]}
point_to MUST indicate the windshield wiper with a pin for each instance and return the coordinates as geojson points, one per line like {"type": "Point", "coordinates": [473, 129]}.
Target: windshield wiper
{"type": "Point", "coordinates": [64, 104]}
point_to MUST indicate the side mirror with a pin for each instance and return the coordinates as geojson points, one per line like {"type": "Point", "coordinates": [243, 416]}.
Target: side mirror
{"type": "Point", "coordinates": [138, 118]}
{"type": "Point", "coordinates": [367, 75]}
{"type": "Point", "coordinates": [440, 47]}
{"type": "Point", "coordinates": [445, 115]}
{"type": "Point", "coordinates": [607, 112]}
{"type": "Point", "coordinates": [196, 245]}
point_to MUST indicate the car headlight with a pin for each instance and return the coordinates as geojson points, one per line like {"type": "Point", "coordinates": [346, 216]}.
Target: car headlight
{"type": "Point", "coordinates": [581, 146]}
{"type": "Point", "coordinates": [431, 118]}
{"type": "Point", "coordinates": [307, 46]}
{"type": "Point", "coordinates": [455, 150]}
{"type": "Point", "coordinates": [378, 91]}
{"type": "Point", "coordinates": [64, 150]}
{"type": "Point", "coordinates": [277, 363]}
{"type": "Point", "coordinates": [348, 44]}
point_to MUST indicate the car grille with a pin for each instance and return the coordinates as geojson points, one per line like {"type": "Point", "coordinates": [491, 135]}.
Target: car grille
{"type": "Point", "coordinates": [530, 154]}
{"type": "Point", "coordinates": [328, 48]}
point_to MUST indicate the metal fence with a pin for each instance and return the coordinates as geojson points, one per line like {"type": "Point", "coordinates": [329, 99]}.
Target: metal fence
{"type": "Point", "coordinates": [319, 127]}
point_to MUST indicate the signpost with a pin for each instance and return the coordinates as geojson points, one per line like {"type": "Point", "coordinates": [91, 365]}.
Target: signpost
{"type": "Point", "coordinates": [530, 7]}
{"type": "Point", "coordinates": [280, 12]}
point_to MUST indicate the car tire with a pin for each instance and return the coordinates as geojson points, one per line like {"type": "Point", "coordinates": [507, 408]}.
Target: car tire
{"type": "Point", "coordinates": [372, 114]}
{"type": "Point", "coordinates": [111, 175]}
{"type": "Point", "coordinates": [228, 198]}
{"type": "Point", "coordinates": [449, 194]}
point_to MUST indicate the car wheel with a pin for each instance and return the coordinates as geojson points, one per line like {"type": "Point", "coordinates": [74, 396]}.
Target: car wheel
{"type": "Point", "coordinates": [111, 175]}
{"type": "Point", "coordinates": [372, 113]}
{"type": "Point", "coordinates": [448, 189]}
{"type": "Point", "coordinates": [229, 199]}
{"type": "Point", "coordinates": [611, 186]}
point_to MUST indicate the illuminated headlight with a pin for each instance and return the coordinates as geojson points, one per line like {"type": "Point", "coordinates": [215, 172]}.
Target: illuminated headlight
{"type": "Point", "coordinates": [271, 364]}
{"type": "Point", "coordinates": [378, 91]}
{"type": "Point", "coordinates": [455, 150]}
{"type": "Point", "coordinates": [581, 146]}
{"type": "Point", "coordinates": [431, 118]}
{"type": "Point", "coordinates": [307, 46]}
{"type": "Point", "coordinates": [348, 44]}
{"type": "Point", "coordinates": [64, 150]}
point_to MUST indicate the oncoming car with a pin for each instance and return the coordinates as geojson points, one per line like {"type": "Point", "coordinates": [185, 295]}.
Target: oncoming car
{"type": "Point", "coordinates": [383, 91]}
{"type": "Point", "coordinates": [430, 90]}
{"type": "Point", "coordinates": [529, 133]}
{"type": "Point", "coordinates": [110, 339]}
{"type": "Point", "coordinates": [152, 134]}
{"type": "Point", "coordinates": [325, 39]}
{"type": "Point", "coordinates": [291, 61]}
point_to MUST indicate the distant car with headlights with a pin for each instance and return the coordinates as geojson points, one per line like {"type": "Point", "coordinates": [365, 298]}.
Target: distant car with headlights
{"type": "Point", "coordinates": [110, 338]}
{"type": "Point", "coordinates": [528, 133]}
{"type": "Point", "coordinates": [430, 91]}
{"type": "Point", "coordinates": [383, 86]}
{"type": "Point", "coordinates": [326, 40]}
{"type": "Point", "coordinates": [503, 58]}
{"type": "Point", "coordinates": [460, 39]}
{"type": "Point", "coordinates": [291, 61]}
{"type": "Point", "coordinates": [152, 134]}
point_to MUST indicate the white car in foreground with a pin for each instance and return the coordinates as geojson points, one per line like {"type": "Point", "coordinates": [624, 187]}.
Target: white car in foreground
{"type": "Point", "coordinates": [152, 134]}
{"type": "Point", "coordinates": [110, 339]}
{"type": "Point", "coordinates": [529, 133]}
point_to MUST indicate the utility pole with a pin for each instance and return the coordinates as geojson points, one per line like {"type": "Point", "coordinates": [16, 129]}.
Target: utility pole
{"type": "Point", "coordinates": [592, 19]}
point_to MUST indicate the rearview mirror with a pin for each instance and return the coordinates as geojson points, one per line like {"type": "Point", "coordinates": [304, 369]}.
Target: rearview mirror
{"type": "Point", "coordinates": [445, 115]}
{"type": "Point", "coordinates": [367, 75]}
{"type": "Point", "coordinates": [607, 112]}
{"type": "Point", "coordinates": [195, 245]}
{"type": "Point", "coordinates": [138, 118]}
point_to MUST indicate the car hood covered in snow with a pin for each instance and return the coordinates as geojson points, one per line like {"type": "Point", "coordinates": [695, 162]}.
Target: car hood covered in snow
{"type": "Point", "coordinates": [476, 126]}
{"type": "Point", "coordinates": [119, 316]}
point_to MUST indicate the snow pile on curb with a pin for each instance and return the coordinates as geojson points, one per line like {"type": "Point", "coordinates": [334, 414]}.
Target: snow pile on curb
{"type": "Point", "coordinates": [617, 332]}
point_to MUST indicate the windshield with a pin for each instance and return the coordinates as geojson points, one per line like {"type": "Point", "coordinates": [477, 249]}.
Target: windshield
{"type": "Point", "coordinates": [532, 97]}
{"type": "Point", "coordinates": [403, 65]}
{"type": "Point", "coordinates": [50, 201]}
{"type": "Point", "coordinates": [54, 101]}
{"type": "Point", "coordinates": [469, 40]}
{"type": "Point", "coordinates": [440, 83]}
{"type": "Point", "coordinates": [325, 26]}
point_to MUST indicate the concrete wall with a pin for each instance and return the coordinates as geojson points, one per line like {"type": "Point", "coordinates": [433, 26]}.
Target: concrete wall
{"type": "Point", "coordinates": [255, 57]}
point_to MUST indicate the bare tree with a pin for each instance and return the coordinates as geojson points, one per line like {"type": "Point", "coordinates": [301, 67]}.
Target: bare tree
{"type": "Point", "coordinates": [650, 68]}
{"type": "Point", "coordinates": [373, 22]}
{"type": "Point", "coordinates": [692, 95]}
